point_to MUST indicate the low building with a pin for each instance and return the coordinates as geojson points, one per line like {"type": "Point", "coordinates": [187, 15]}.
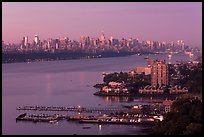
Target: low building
{"type": "Point", "coordinates": [140, 70]}
{"type": "Point", "coordinates": [178, 89]}
{"type": "Point", "coordinates": [151, 90]}
{"type": "Point", "coordinates": [115, 84]}
{"type": "Point", "coordinates": [108, 89]}
{"type": "Point", "coordinates": [167, 105]}
{"type": "Point", "coordinates": [145, 70]}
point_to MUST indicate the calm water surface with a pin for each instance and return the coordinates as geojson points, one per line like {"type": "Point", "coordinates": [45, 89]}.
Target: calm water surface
{"type": "Point", "coordinates": [64, 83]}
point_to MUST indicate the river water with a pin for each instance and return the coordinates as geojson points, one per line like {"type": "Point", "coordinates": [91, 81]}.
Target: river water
{"type": "Point", "coordinates": [65, 83]}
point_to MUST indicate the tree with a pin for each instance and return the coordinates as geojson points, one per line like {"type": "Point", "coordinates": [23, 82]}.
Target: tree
{"type": "Point", "coordinates": [185, 118]}
{"type": "Point", "coordinates": [193, 129]}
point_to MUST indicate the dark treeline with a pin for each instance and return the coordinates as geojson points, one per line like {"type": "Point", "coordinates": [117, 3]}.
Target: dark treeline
{"type": "Point", "coordinates": [34, 56]}
{"type": "Point", "coordinates": [185, 118]}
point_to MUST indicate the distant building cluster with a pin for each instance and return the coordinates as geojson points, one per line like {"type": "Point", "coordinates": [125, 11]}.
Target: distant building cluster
{"type": "Point", "coordinates": [93, 45]}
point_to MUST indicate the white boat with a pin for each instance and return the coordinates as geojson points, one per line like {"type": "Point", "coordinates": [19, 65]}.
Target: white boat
{"type": "Point", "coordinates": [53, 121]}
{"type": "Point", "coordinates": [146, 57]}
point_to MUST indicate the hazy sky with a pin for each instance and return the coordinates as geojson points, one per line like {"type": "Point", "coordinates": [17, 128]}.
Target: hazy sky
{"type": "Point", "coordinates": [146, 21]}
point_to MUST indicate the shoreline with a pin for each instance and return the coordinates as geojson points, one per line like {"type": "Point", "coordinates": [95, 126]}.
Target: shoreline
{"type": "Point", "coordinates": [99, 93]}
{"type": "Point", "coordinates": [8, 58]}
{"type": "Point", "coordinates": [64, 56]}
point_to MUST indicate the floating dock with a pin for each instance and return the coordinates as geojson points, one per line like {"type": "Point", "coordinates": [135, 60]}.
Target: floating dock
{"type": "Point", "coordinates": [40, 117]}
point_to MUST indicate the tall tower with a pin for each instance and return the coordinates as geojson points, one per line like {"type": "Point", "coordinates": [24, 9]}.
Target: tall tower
{"type": "Point", "coordinates": [159, 74]}
{"type": "Point", "coordinates": [102, 39]}
{"type": "Point", "coordinates": [36, 39]}
{"type": "Point", "coordinates": [180, 44]}
{"type": "Point", "coordinates": [82, 41]}
{"type": "Point", "coordinates": [110, 40]}
{"type": "Point", "coordinates": [25, 41]}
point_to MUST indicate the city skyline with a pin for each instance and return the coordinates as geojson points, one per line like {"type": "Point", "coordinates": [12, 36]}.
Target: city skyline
{"type": "Point", "coordinates": [170, 21]}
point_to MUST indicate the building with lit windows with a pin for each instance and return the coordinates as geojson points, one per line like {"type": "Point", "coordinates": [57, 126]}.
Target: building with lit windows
{"type": "Point", "coordinates": [159, 74]}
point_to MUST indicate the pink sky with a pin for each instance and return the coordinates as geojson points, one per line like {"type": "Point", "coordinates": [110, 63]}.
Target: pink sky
{"type": "Point", "coordinates": [146, 21]}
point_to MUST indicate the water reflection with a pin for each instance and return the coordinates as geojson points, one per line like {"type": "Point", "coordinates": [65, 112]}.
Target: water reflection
{"type": "Point", "coordinates": [147, 99]}
{"type": "Point", "coordinates": [154, 99]}
{"type": "Point", "coordinates": [82, 78]}
{"type": "Point", "coordinates": [48, 84]}
{"type": "Point", "coordinates": [109, 99]}
{"type": "Point", "coordinates": [99, 130]}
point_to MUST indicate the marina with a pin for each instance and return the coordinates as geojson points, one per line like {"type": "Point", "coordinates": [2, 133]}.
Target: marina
{"type": "Point", "coordinates": [76, 109]}
{"type": "Point", "coordinates": [99, 119]}
{"type": "Point", "coordinates": [40, 117]}
{"type": "Point", "coordinates": [134, 114]}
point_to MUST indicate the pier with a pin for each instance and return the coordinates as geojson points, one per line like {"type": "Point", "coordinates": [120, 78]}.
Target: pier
{"type": "Point", "coordinates": [40, 117]}
{"type": "Point", "coordinates": [100, 115]}
{"type": "Point", "coordinates": [110, 119]}
{"type": "Point", "coordinates": [126, 122]}
{"type": "Point", "coordinates": [99, 119]}
{"type": "Point", "coordinates": [76, 109]}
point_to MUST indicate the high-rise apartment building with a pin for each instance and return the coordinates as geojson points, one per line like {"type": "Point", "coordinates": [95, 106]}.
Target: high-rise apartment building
{"type": "Point", "coordinates": [159, 73]}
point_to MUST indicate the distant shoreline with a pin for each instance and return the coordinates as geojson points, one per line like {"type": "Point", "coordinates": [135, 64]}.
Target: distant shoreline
{"type": "Point", "coordinates": [8, 58]}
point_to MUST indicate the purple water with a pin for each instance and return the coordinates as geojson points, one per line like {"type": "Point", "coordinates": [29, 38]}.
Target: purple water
{"type": "Point", "coordinates": [65, 83]}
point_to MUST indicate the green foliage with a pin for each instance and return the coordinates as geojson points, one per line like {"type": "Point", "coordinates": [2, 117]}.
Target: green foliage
{"type": "Point", "coordinates": [133, 82]}
{"type": "Point", "coordinates": [185, 118]}
{"type": "Point", "coordinates": [126, 78]}
{"type": "Point", "coordinates": [99, 86]}
{"type": "Point", "coordinates": [136, 86]}
{"type": "Point", "coordinates": [193, 129]}
{"type": "Point", "coordinates": [193, 78]}
{"type": "Point", "coordinates": [116, 77]}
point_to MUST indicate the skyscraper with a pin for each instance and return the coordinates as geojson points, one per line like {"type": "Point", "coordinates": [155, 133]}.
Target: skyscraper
{"type": "Point", "coordinates": [36, 39]}
{"type": "Point", "coordinates": [102, 39]}
{"type": "Point", "coordinates": [110, 40]}
{"type": "Point", "coordinates": [82, 41]}
{"type": "Point", "coordinates": [95, 41]}
{"type": "Point", "coordinates": [180, 44]}
{"type": "Point", "coordinates": [25, 41]}
{"type": "Point", "coordinates": [159, 74]}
